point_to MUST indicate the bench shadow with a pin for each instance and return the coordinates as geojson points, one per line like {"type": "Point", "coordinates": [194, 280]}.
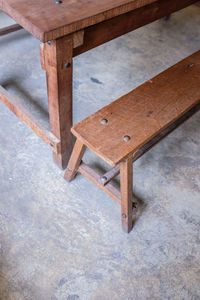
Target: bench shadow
{"type": "Point", "coordinates": [172, 143]}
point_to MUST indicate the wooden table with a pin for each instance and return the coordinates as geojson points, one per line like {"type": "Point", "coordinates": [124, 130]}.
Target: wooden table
{"type": "Point", "coordinates": [66, 29]}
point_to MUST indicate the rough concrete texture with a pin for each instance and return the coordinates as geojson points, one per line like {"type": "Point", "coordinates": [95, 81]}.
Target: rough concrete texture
{"type": "Point", "coordinates": [64, 241]}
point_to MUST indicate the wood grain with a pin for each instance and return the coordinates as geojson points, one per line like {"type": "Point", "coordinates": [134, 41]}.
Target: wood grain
{"type": "Point", "coordinates": [126, 186]}
{"type": "Point", "coordinates": [9, 29]}
{"type": "Point", "coordinates": [95, 178]}
{"type": "Point", "coordinates": [56, 58]}
{"type": "Point", "coordinates": [75, 160]}
{"type": "Point", "coordinates": [47, 20]}
{"type": "Point", "coordinates": [112, 173]}
{"type": "Point", "coordinates": [142, 113]}
{"type": "Point", "coordinates": [105, 31]}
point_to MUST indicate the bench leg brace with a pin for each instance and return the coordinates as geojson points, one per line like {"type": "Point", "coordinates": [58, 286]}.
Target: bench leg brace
{"type": "Point", "coordinates": [126, 182]}
{"type": "Point", "coordinates": [75, 160]}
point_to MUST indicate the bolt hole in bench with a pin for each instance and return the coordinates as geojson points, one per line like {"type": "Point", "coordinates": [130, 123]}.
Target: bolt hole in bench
{"type": "Point", "coordinates": [123, 131]}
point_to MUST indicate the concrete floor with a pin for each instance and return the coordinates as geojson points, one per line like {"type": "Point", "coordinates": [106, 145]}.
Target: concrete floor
{"type": "Point", "coordinates": [64, 241]}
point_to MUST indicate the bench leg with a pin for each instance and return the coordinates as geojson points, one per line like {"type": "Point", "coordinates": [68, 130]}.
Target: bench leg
{"type": "Point", "coordinates": [56, 58]}
{"type": "Point", "coordinates": [75, 160]}
{"type": "Point", "coordinates": [126, 186]}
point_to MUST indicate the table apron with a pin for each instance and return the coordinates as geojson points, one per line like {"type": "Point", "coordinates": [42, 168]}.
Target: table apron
{"type": "Point", "coordinates": [103, 32]}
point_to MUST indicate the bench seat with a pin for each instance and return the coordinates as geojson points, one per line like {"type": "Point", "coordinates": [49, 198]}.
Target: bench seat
{"type": "Point", "coordinates": [142, 113]}
{"type": "Point", "coordinates": [125, 129]}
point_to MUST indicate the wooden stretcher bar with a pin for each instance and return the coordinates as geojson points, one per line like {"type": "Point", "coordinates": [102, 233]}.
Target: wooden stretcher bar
{"type": "Point", "coordinates": [95, 178]}
{"type": "Point", "coordinates": [24, 115]}
{"type": "Point", "coordinates": [9, 29]}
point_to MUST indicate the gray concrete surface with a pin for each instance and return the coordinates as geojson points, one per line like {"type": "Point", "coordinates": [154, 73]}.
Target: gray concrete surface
{"type": "Point", "coordinates": [64, 241]}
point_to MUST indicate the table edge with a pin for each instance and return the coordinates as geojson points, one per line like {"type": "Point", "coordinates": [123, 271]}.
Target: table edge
{"type": "Point", "coordinates": [59, 32]}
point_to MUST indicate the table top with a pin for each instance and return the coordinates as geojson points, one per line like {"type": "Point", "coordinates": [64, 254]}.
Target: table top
{"type": "Point", "coordinates": [47, 20]}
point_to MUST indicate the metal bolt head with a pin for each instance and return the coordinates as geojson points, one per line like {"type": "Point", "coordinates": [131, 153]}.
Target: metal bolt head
{"type": "Point", "coordinates": [51, 144]}
{"type": "Point", "coordinates": [126, 138]}
{"type": "Point", "coordinates": [123, 216]}
{"type": "Point", "coordinates": [69, 169]}
{"type": "Point", "coordinates": [58, 1]}
{"type": "Point", "coordinates": [49, 42]}
{"type": "Point", "coordinates": [103, 179]}
{"type": "Point", "coordinates": [67, 65]}
{"type": "Point", "coordinates": [104, 121]}
{"type": "Point", "coordinates": [191, 65]}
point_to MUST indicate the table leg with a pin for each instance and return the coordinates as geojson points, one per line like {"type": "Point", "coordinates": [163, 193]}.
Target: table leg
{"type": "Point", "coordinates": [56, 59]}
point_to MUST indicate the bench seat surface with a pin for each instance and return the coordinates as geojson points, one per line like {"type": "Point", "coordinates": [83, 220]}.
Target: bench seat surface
{"type": "Point", "coordinates": [143, 113]}
{"type": "Point", "coordinates": [47, 20]}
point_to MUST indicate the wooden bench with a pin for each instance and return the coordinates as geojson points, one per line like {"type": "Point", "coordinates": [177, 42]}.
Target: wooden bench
{"type": "Point", "coordinates": [124, 130]}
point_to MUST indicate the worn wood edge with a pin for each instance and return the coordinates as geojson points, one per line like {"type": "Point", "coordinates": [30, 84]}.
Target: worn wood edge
{"type": "Point", "coordinates": [113, 172]}
{"type": "Point", "coordinates": [22, 21]}
{"type": "Point", "coordinates": [78, 38]}
{"type": "Point", "coordinates": [10, 29]}
{"type": "Point", "coordinates": [110, 162]}
{"type": "Point", "coordinates": [75, 160]}
{"type": "Point", "coordinates": [82, 24]}
{"type": "Point", "coordinates": [102, 16]}
{"type": "Point", "coordinates": [94, 177]}
{"type": "Point", "coordinates": [42, 57]}
{"type": "Point", "coordinates": [31, 121]}
{"type": "Point", "coordinates": [126, 187]}
{"type": "Point", "coordinates": [45, 36]}
{"type": "Point", "coordinates": [154, 10]}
